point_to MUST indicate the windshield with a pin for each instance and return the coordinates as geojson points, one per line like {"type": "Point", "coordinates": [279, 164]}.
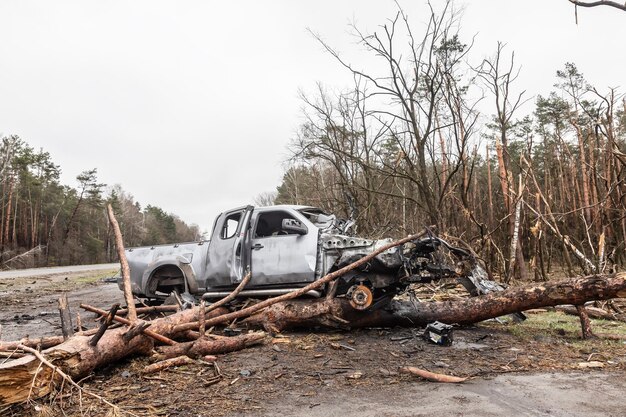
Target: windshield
{"type": "Point", "coordinates": [318, 217]}
{"type": "Point", "coordinates": [328, 223]}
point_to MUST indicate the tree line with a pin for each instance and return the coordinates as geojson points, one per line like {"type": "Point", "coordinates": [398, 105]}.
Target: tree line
{"type": "Point", "coordinates": [43, 222]}
{"type": "Point", "coordinates": [432, 137]}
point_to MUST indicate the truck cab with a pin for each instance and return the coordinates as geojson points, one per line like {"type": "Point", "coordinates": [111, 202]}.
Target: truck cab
{"type": "Point", "coordinates": [278, 244]}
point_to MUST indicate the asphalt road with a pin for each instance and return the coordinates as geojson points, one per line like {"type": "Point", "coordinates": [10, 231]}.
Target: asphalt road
{"type": "Point", "coordinates": [33, 272]}
{"type": "Point", "coordinates": [584, 394]}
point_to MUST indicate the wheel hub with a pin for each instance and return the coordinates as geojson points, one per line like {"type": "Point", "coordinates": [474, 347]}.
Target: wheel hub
{"type": "Point", "coordinates": [360, 297]}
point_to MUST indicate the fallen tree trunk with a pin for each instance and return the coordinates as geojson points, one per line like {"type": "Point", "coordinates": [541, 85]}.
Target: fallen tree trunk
{"type": "Point", "coordinates": [77, 358]}
{"type": "Point", "coordinates": [337, 312]}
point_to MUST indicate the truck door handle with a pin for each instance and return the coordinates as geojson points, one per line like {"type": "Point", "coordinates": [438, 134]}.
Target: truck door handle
{"type": "Point", "coordinates": [257, 246]}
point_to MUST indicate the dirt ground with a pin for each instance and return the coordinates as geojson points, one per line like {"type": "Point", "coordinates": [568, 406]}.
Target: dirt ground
{"type": "Point", "coordinates": [539, 367]}
{"type": "Point", "coordinates": [29, 304]}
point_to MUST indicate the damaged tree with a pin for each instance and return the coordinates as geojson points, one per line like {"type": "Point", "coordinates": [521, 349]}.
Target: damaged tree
{"type": "Point", "coordinates": [337, 312]}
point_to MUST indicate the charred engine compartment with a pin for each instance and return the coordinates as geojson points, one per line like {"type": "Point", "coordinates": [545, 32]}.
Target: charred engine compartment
{"type": "Point", "coordinates": [375, 283]}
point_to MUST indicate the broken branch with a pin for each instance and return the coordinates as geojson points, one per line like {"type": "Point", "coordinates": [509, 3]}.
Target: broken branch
{"type": "Point", "coordinates": [66, 318]}
{"type": "Point", "coordinates": [137, 328]}
{"type": "Point", "coordinates": [431, 376]}
{"type": "Point", "coordinates": [609, 3]}
{"type": "Point", "coordinates": [167, 363]}
{"type": "Point", "coordinates": [203, 346]}
{"type": "Point", "coordinates": [119, 245]}
{"type": "Point", "coordinates": [122, 320]}
{"type": "Point", "coordinates": [232, 295]}
{"type": "Point", "coordinates": [104, 326]}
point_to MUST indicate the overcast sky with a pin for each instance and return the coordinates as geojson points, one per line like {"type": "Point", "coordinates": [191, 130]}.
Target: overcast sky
{"type": "Point", "coordinates": [190, 105]}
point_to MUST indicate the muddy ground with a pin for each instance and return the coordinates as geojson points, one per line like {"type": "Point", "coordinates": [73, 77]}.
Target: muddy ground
{"type": "Point", "coordinates": [539, 367]}
{"type": "Point", "coordinates": [29, 303]}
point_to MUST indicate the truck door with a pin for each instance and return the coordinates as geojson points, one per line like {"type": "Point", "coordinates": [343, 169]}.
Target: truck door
{"type": "Point", "coordinates": [241, 247]}
{"type": "Point", "coordinates": [229, 249]}
{"type": "Point", "coordinates": [282, 255]}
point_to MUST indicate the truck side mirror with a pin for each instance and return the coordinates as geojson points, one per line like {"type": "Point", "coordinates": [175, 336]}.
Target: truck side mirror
{"type": "Point", "coordinates": [294, 226]}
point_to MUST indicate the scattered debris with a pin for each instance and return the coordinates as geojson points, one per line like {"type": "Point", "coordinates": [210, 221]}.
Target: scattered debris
{"type": "Point", "coordinates": [355, 375]}
{"type": "Point", "coordinates": [439, 333]}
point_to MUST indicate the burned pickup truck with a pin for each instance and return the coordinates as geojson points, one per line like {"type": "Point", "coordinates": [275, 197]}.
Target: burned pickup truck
{"type": "Point", "coordinates": [287, 247]}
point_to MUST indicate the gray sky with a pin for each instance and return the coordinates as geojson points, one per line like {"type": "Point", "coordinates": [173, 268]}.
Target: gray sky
{"type": "Point", "coordinates": [189, 105]}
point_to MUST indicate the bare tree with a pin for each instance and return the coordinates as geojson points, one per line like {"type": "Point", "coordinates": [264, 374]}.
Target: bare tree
{"type": "Point", "coordinates": [499, 77]}
{"type": "Point", "coordinates": [615, 4]}
{"type": "Point", "coordinates": [265, 199]}
{"type": "Point", "coordinates": [411, 105]}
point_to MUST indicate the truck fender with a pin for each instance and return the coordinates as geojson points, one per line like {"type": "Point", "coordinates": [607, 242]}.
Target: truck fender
{"type": "Point", "coordinates": [179, 262]}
